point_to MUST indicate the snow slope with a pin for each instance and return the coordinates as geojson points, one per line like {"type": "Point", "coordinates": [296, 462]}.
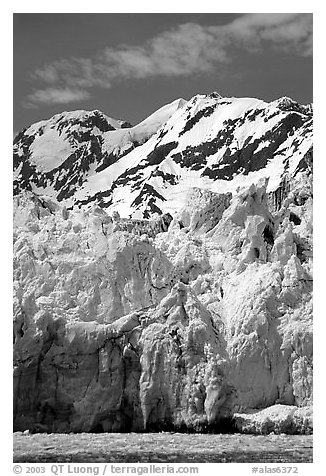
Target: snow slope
{"type": "Point", "coordinates": [209, 142]}
{"type": "Point", "coordinates": [59, 154]}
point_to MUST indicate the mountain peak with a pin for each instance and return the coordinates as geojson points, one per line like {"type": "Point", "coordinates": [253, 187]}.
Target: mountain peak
{"type": "Point", "coordinates": [286, 103]}
{"type": "Point", "coordinates": [215, 94]}
{"type": "Point", "coordinates": [210, 142]}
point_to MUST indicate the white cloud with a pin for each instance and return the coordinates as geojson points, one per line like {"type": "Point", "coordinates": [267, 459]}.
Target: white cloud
{"type": "Point", "coordinates": [56, 96]}
{"type": "Point", "coordinates": [288, 31]}
{"type": "Point", "coordinates": [185, 50]}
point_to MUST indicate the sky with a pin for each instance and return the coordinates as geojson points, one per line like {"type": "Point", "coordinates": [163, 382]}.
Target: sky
{"type": "Point", "coordinates": [130, 64]}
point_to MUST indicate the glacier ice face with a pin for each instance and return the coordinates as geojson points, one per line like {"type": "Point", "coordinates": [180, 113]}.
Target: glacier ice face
{"type": "Point", "coordinates": [119, 329]}
{"type": "Point", "coordinates": [88, 330]}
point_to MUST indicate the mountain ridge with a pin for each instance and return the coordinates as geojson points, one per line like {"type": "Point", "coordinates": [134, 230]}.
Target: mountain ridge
{"type": "Point", "coordinates": [210, 142]}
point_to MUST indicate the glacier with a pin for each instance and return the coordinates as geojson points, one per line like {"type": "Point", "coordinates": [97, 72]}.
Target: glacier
{"type": "Point", "coordinates": [163, 279]}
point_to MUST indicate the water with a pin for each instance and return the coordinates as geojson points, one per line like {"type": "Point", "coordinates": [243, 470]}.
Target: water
{"type": "Point", "coordinates": [161, 448]}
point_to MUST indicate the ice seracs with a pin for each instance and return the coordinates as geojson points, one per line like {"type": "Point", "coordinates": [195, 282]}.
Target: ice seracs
{"type": "Point", "coordinates": [124, 331]}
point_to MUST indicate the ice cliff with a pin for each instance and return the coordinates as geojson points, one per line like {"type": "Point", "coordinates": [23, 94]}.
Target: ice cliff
{"type": "Point", "coordinates": [119, 328]}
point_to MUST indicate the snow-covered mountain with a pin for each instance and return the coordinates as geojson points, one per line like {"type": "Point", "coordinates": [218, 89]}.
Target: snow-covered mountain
{"type": "Point", "coordinates": [58, 155]}
{"type": "Point", "coordinates": [210, 142]}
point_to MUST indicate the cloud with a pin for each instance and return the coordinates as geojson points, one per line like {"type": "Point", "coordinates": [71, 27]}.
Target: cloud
{"type": "Point", "coordinates": [291, 32]}
{"type": "Point", "coordinates": [185, 50]}
{"type": "Point", "coordinates": [182, 51]}
{"type": "Point", "coordinates": [51, 95]}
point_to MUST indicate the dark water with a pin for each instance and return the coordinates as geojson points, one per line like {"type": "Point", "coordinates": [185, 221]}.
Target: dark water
{"type": "Point", "coordinates": [161, 448]}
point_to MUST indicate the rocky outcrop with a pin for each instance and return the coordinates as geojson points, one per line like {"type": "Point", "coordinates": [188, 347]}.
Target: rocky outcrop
{"type": "Point", "coordinates": [183, 329]}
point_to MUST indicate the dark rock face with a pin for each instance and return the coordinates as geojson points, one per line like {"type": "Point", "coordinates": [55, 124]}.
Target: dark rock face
{"type": "Point", "coordinates": [306, 163]}
{"type": "Point", "coordinates": [160, 152]}
{"type": "Point", "coordinates": [206, 112]}
{"type": "Point", "coordinates": [245, 159]}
